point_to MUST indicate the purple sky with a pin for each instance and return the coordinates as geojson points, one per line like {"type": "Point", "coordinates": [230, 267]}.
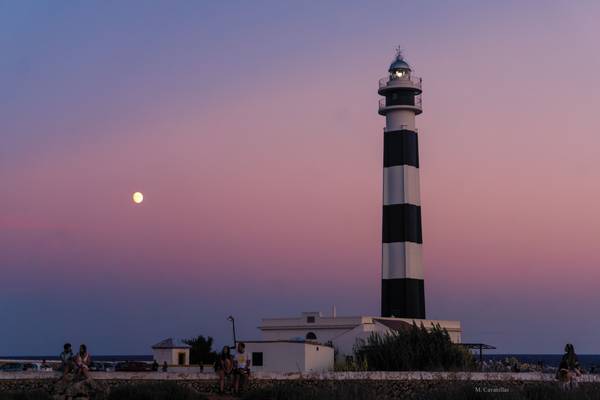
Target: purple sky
{"type": "Point", "coordinates": [252, 130]}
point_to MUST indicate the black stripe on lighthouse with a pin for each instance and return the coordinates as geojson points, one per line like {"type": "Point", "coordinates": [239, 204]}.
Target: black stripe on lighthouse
{"type": "Point", "coordinates": [402, 223]}
{"type": "Point", "coordinates": [400, 148]}
{"type": "Point", "coordinates": [403, 298]}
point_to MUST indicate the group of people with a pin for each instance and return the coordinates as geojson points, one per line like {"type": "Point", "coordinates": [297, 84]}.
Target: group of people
{"type": "Point", "coordinates": [79, 363]}
{"type": "Point", "coordinates": [155, 366]}
{"type": "Point", "coordinates": [235, 365]}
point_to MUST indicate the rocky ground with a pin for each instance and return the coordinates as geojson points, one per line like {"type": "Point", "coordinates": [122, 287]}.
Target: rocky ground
{"type": "Point", "coordinates": [70, 388]}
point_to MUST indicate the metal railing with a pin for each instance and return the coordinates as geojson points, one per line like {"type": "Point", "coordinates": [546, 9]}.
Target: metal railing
{"type": "Point", "coordinates": [413, 80]}
{"type": "Point", "coordinates": [402, 127]}
{"type": "Point", "coordinates": [418, 103]}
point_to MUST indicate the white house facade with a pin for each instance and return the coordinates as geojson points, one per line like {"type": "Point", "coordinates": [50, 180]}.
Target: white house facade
{"type": "Point", "coordinates": [289, 356]}
{"type": "Point", "coordinates": [343, 332]}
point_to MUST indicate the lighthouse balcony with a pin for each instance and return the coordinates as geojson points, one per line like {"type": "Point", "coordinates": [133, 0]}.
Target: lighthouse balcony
{"type": "Point", "coordinates": [390, 83]}
{"type": "Point", "coordinates": [416, 106]}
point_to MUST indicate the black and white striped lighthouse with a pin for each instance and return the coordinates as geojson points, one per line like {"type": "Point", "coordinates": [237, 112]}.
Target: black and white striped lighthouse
{"type": "Point", "coordinates": [402, 288]}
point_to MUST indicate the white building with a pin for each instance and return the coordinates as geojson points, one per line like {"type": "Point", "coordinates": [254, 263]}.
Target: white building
{"type": "Point", "coordinates": [289, 356]}
{"type": "Point", "coordinates": [343, 332]}
{"type": "Point", "coordinates": [171, 351]}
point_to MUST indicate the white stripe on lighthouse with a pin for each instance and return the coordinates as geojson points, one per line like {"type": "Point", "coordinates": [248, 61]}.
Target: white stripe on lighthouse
{"type": "Point", "coordinates": [401, 260]}
{"type": "Point", "coordinates": [401, 185]}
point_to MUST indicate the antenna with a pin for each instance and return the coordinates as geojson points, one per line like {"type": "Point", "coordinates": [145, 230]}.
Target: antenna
{"type": "Point", "coordinates": [399, 55]}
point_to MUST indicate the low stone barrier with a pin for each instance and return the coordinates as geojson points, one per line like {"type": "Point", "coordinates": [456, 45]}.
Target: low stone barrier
{"type": "Point", "coordinates": [387, 384]}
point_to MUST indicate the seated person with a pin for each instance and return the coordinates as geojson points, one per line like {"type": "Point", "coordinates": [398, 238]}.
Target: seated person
{"type": "Point", "coordinates": [66, 359]}
{"type": "Point", "coordinates": [241, 365]}
{"type": "Point", "coordinates": [83, 361]}
{"type": "Point", "coordinates": [224, 367]}
{"type": "Point", "coordinates": [569, 369]}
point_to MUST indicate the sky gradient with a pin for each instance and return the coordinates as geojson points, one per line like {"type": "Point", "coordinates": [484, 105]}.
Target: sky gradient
{"type": "Point", "coordinates": [252, 130]}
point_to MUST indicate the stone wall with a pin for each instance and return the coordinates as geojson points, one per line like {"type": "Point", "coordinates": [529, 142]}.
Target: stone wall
{"type": "Point", "coordinates": [385, 384]}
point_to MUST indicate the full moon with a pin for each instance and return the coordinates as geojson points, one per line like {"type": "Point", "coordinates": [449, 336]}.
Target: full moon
{"type": "Point", "coordinates": [138, 197]}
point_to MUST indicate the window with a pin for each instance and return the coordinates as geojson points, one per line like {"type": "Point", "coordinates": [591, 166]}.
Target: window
{"type": "Point", "coordinates": [181, 358]}
{"type": "Point", "coordinates": [257, 359]}
{"type": "Point", "coordinates": [311, 336]}
{"type": "Point", "coordinates": [310, 320]}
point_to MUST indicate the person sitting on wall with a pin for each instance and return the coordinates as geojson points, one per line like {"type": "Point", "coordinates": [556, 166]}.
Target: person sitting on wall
{"type": "Point", "coordinates": [83, 361]}
{"type": "Point", "coordinates": [241, 365]}
{"type": "Point", "coordinates": [569, 368]}
{"type": "Point", "coordinates": [224, 367]}
{"type": "Point", "coordinates": [165, 367]}
{"type": "Point", "coordinates": [66, 359]}
{"type": "Point", "coordinates": [154, 366]}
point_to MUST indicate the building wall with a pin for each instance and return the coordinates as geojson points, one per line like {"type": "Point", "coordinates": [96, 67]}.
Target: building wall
{"type": "Point", "coordinates": [323, 334]}
{"type": "Point", "coordinates": [171, 356]}
{"type": "Point", "coordinates": [318, 358]}
{"type": "Point", "coordinates": [162, 355]}
{"type": "Point", "coordinates": [343, 332]}
{"type": "Point", "coordinates": [290, 356]}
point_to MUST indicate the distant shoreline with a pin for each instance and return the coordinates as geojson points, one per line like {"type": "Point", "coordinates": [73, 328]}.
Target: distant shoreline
{"type": "Point", "coordinates": [94, 357]}
{"type": "Point", "coordinates": [586, 360]}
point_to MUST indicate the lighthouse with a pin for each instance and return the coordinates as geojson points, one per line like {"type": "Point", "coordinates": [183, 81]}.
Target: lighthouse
{"type": "Point", "coordinates": [402, 289]}
{"type": "Point", "coordinates": [402, 286]}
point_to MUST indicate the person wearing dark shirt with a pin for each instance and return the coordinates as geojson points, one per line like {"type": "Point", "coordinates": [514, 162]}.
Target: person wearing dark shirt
{"type": "Point", "coordinates": [569, 368]}
{"type": "Point", "coordinates": [66, 359]}
{"type": "Point", "coordinates": [224, 367]}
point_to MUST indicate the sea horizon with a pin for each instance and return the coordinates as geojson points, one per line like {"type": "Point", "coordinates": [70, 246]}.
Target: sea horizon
{"type": "Point", "coordinates": [548, 359]}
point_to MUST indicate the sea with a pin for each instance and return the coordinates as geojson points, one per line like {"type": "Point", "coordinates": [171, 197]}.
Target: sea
{"type": "Point", "coordinates": [587, 361]}
{"type": "Point", "coordinates": [117, 358]}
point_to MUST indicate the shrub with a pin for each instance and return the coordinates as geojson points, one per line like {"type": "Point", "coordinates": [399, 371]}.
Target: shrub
{"type": "Point", "coordinates": [413, 349]}
{"type": "Point", "coordinates": [201, 350]}
{"type": "Point", "coordinates": [154, 391]}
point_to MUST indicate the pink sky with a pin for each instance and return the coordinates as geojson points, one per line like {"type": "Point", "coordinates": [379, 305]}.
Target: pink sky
{"type": "Point", "coordinates": [259, 151]}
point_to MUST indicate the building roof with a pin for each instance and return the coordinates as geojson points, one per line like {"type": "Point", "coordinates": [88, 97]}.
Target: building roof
{"type": "Point", "coordinates": [303, 342]}
{"type": "Point", "coordinates": [394, 324]}
{"type": "Point", "coordinates": [171, 343]}
{"type": "Point", "coordinates": [345, 323]}
{"type": "Point", "coordinates": [481, 346]}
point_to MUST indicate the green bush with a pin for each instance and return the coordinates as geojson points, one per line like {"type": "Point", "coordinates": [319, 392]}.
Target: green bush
{"type": "Point", "coordinates": [154, 391]}
{"type": "Point", "coordinates": [413, 349]}
{"type": "Point", "coordinates": [201, 350]}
